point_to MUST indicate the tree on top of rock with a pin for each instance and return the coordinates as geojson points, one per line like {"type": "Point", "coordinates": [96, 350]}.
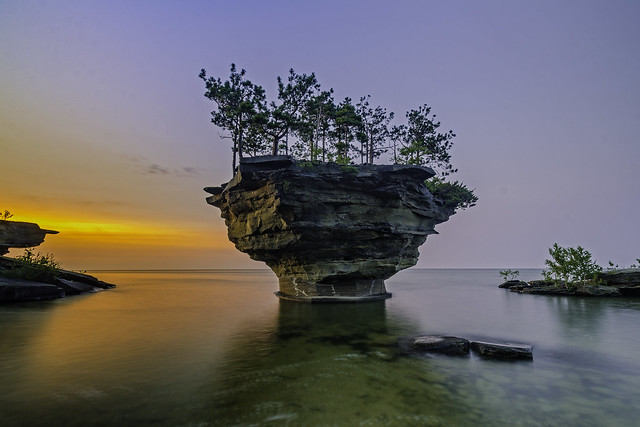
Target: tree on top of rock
{"type": "Point", "coordinates": [238, 103]}
{"type": "Point", "coordinates": [423, 144]}
{"type": "Point", "coordinates": [375, 130]}
{"type": "Point", "coordinates": [306, 122]}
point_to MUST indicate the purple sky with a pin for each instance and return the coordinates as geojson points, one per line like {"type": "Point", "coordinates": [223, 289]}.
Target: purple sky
{"type": "Point", "coordinates": [103, 117]}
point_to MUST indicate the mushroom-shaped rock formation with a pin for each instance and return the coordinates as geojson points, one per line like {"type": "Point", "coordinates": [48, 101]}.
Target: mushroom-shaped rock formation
{"type": "Point", "coordinates": [329, 232]}
{"type": "Point", "coordinates": [18, 234]}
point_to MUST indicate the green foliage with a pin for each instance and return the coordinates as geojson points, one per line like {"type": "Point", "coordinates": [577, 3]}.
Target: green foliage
{"type": "Point", "coordinates": [509, 274]}
{"type": "Point", "coordinates": [422, 144]}
{"type": "Point", "coordinates": [374, 131]}
{"type": "Point", "coordinates": [6, 215]}
{"type": "Point", "coordinates": [453, 195]}
{"type": "Point", "coordinates": [238, 104]}
{"type": "Point", "coordinates": [308, 165]}
{"type": "Point", "coordinates": [34, 266]}
{"type": "Point", "coordinates": [572, 266]}
{"type": "Point", "coordinates": [349, 168]}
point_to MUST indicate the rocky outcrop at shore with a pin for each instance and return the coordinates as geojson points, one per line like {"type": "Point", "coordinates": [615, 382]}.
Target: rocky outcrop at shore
{"type": "Point", "coordinates": [62, 283]}
{"type": "Point", "coordinates": [627, 280]}
{"type": "Point", "coordinates": [16, 281]}
{"type": "Point", "coordinates": [329, 232]}
{"type": "Point", "coordinates": [615, 283]}
{"type": "Point", "coordinates": [18, 234]}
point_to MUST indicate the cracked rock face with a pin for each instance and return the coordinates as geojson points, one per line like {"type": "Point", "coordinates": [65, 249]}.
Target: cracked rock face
{"type": "Point", "coordinates": [329, 232]}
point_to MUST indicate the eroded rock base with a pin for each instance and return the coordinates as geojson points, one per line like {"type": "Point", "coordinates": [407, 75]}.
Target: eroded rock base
{"type": "Point", "coordinates": [359, 290]}
{"type": "Point", "coordinates": [333, 299]}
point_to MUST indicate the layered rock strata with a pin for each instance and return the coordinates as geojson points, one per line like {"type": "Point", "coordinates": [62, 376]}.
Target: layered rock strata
{"type": "Point", "coordinates": [329, 232]}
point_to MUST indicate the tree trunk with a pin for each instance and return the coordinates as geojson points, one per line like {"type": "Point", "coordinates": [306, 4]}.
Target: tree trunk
{"type": "Point", "coordinates": [286, 142]}
{"type": "Point", "coordinates": [233, 163]}
{"type": "Point", "coordinates": [371, 149]}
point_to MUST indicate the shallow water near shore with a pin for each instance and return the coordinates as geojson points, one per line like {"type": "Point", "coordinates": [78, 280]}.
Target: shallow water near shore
{"type": "Point", "coordinates": [197, 348]}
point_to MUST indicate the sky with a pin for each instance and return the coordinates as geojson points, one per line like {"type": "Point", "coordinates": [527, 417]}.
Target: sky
{"type": "Point", "coordinates": [105, 134]}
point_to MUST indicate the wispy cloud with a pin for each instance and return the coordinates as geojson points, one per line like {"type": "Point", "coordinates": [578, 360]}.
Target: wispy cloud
{"type": "Point", "coordinates": [147, 167]}
{"type": "Point", "coordinates": [157, 169]}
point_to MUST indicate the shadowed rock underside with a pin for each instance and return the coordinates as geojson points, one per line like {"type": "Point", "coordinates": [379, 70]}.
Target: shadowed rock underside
{"type": "Point", "coordinates": [329, 232]}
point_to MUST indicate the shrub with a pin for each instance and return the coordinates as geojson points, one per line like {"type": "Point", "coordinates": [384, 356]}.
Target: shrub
{"type": "Point", "coordinates": [572, 266]}
{"type": "Point", "coordinates": [509, 274]}
{"type": "Point", "coordinates": [349, 168]}
{"type": "Point", "coordinates": [453, 195]}
{"type": "Point", "coordinates": [34, 266]}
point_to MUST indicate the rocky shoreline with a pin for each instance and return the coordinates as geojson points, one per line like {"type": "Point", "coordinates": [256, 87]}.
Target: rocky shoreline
{"type": "Point", "coordinates": [57, 284]}
{"type": "Point", "coordinates": [615, 283]}
{"type": "Point", "coordinates": [64, 283]}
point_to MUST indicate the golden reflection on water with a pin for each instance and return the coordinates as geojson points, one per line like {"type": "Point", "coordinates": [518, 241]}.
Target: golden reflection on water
{"type": "Point", "coordinates": [143, 333]}
{"type": "Point", "coordinates": [218, 348]}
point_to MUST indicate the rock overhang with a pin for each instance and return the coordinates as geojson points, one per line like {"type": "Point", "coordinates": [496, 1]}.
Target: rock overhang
{"type": "Point", "coordinates": [316, 223]}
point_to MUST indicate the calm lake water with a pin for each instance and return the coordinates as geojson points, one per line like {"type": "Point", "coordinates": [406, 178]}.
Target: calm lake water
{"type": "Point", "coordinates": [204, 348]}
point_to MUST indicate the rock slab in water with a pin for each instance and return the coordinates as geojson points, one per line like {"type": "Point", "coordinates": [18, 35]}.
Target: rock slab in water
{"type": "Point", "coordinates": [12, 290]}
{"type": "Point", "coordinates": [512, 284]}
{"type": "Point", "coordinates": [502, 351]}
{"type": "Point", "coordinates": [452, 346]}
{"type": "Point", "coordinates": [543, 287]}
{"type": "Point", "coordinates": [329, 231]}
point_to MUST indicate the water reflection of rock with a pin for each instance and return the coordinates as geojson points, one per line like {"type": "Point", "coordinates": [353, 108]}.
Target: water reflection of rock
{"type": "Point", "coordinates": [336, 364]}
{"type": "Point", "coordinates": [361, 327]}
{"type": "Point", "coordinates": [312, 355]}
{"type": "Point", "coordinates": [307, 331]}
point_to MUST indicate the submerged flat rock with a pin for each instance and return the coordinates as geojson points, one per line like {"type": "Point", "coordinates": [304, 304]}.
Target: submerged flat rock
{"type": "Point", "coordinates": [502, 351]}
{"type": "Point", "coordinates": [453, 346]}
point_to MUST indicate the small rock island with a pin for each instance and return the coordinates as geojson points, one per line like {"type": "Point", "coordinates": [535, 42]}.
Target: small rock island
{"type": "Point", "coordinates": [330, 232]}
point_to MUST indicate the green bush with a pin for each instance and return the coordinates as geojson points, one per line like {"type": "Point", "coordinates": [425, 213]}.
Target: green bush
{"type": "Point", "coordinates": [572, 266]}
{"type": "Point", "coordinates": [34, 266]}
{"type": "Point", "coordinates": [349, 168]}
{"type": "Point", "coordinates": [453, 195]}
{"type": "Point", "coordinates": [509, 274]}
